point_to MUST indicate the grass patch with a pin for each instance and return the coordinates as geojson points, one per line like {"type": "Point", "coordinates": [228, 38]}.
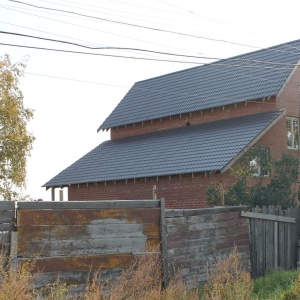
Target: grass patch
{"type": "Point", "coordinates": [275, 285]}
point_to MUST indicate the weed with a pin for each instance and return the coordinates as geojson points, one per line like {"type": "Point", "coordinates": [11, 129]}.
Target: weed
{"type": "Point", "coordinates": [228, 279]}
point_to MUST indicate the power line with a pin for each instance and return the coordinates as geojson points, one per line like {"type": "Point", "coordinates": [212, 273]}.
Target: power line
{"type": "Point", "coordinates": [76, 80]}
{"type": "Point", "coordinates": [137, 26]}
{"type": "Point", "coordinates": [145, 50]}
{"type": "Point", "coordinates": [143, 27]}
{"type": "Point", "coordinates": [121, 2]}
{"type": "Point", "coordinates": [34, 29]}
{"type": "Point", "coordinates": [105, 48]}
{"type": "Point", "coordinates": [89, 28]}
{"type": "Point", "coordinates": [101, 54]}
{"type": "Point", "coordinates": [160, 91]}
{"type": "Point", "coordinates": [178, 21]}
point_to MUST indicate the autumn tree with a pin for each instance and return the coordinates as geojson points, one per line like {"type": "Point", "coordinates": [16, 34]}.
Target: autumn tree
{"type": "Point", "coordinates": [15, 140]}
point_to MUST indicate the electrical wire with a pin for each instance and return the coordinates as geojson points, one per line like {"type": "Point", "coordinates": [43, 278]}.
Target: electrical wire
{"type": "Point", "coordinates": [101, 54]}
{"type": "Point", "coordinates": [144, 27]}
{"type": "Point", "coordinates": [225, 62]}
{"type": "Point", "coordinates": [76, 80]}
{"type": "Point", "coordinates": [64, 36]}
{"type": "Point", "coordinates": [145, 50]}
{"type": "Point", "coordinates": [105, 48]}
{"type": "Point", "coordinates": [138, 26]}
{"type": "Point", "coordinates": [89, 28]}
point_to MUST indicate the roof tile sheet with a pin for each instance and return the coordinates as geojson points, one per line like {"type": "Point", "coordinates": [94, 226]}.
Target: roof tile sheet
{"type": "Point", "coordinates": [197, 148]}
{"type": "Point", "coordinates": [250, 76]}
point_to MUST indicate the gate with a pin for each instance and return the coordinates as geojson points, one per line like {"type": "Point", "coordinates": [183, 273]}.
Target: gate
{"type": "Point", "coordinates": [274, 235]}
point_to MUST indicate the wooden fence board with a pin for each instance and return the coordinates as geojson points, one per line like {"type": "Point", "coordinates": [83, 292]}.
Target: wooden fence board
{"type": "Point", "coordinates": [71, 237]}
{"type": "Point", "coordinates": [65, 232]}
{"type": "Point", "coordinates": [7, 216]}
{"type": "Point", "coordinates": [7, 205]}
{"type": "Point", "coordinates": [84, 246]}
{"type": "Point", "coordinates": [273, 238]}
{"type": "Point", "coordinates": [269, 241]}
{"type": "Point", "coordinates": [75, 277]}
{"type": "Point", "coordinates": [110, 204]}
{"type": "Point", "coordinates": [188, 227]}
{"type": "Point", "coordinates": [196, 236]}
{"type": "Point", "coordinates": [80, 263]}
{"type": "Point", "coordinates": [7, 227]}
{"type": "Point", "coordinates": [281, 244]}
{"type": "Point", "coordinates": [87, 216]}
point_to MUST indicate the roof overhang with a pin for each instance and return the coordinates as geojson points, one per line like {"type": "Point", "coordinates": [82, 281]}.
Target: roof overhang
{"type": "Point", "coordinates": [256, 139]}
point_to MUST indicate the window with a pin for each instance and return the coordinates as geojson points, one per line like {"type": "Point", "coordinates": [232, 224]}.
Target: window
{"type": "Point", "coordinates": [259, 165]}
{"type": "Point", "coordinates": [257, 169]}
{"type": "Point", "coordinates": [292, 126]}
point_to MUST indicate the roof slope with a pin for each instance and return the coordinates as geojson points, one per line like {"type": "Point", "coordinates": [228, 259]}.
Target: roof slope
{"type": "Point", "coordinates": [197, 148]}
{"type": "Point", "coordinates": [250, 76]}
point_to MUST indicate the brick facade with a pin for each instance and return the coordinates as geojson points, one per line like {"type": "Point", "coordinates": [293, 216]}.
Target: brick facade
{"type": "Point", "coordinates": [188, 190]}
{"type": "Point", "coordinates": [179, 191]}
{"type": "Point", "coordinates": [198, 117]}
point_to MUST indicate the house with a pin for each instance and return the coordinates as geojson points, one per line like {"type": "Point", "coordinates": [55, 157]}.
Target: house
{"type": "Point", "coordinates": [179, 132]}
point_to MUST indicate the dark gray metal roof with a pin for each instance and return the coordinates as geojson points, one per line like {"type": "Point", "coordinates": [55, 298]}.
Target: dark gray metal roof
{"type": "Point", "coordinates": [250, 76]}
{"type": "Point", "coordinates": [197, 148]}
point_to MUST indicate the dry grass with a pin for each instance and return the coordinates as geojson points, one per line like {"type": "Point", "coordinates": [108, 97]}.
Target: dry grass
{"type": "Point", "coordinates": [141, 281]}
{"type": "Point", "coordinates": [228, 279]}
{"type": "Point", "coordinates": [15, 284]}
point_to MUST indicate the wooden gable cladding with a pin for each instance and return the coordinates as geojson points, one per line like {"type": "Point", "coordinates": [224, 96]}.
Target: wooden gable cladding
{"type": "Point", "coordinates": [106, 235]}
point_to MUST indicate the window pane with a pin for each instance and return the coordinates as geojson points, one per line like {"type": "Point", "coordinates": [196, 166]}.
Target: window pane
{"type": "Point", "coordinates": [296, 133]}
{"type": "Point", "coordinates": [289, 132]}
{"type": "Point", "coordinates": [254, 165]}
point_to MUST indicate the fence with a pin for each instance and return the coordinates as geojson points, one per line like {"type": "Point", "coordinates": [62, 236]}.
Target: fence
{"type": "Point", "coordinates": [7, 226]}
{"type": "Point", "coordinates": [198, 236]}
{"type": "Point", "coordinates": [274, 234]}
{"type": "Point", "coordinates": [69, 239]}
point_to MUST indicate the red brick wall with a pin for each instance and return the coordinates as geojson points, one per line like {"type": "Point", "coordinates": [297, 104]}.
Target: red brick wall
{"type": "Point", "coordinates": [289, 98]}
{"type": "Point", "coordinates": [209, 115]}
{"type": "Point", "coordinates": [184, 191]}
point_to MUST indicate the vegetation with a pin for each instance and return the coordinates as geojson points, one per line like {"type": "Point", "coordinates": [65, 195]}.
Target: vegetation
{"type": "Point", "coordinates": [227, 279]}
{"type": "Point", "coordinates": [249, 187]}
{"type": "Point", "coordinates": [15, 140]}
{"type": "Point", "coordinates": [277, 285]}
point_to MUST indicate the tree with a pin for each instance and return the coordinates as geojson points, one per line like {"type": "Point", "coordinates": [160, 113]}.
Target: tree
{"type": "Point", "coordinates": [281, 189]}
{"type": "Point", "coordinates": [15, 140]}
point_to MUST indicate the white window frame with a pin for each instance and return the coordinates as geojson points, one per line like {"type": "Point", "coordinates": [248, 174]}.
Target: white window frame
{"type": "Point", "coordinates": [292, 137]}
{"type": "Point", "coordinates": [254, 163]}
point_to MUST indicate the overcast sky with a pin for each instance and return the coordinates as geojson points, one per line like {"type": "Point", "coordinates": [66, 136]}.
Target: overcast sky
{"type": "Point", "coordinates": [73, 93]}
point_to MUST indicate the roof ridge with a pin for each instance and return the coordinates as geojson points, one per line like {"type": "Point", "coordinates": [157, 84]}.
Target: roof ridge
{"type": "Point", "coordinates": [236, 57]}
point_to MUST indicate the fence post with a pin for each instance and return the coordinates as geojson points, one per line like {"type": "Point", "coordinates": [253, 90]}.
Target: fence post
{"type": "Point", "coordinates": [14, 250]}
{"type": "Point", "coordinates": [298, 256]}
{"type": "Point", "coordinates": [163, 231]}
{"type": "Point", "coordinates": [275, 245]}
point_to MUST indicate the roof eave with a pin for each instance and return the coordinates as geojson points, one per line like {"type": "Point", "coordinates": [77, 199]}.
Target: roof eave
{"type": "Point", "coordinates": [288, 78]}
{"type": "Point", "coordinates": [256, 139]}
